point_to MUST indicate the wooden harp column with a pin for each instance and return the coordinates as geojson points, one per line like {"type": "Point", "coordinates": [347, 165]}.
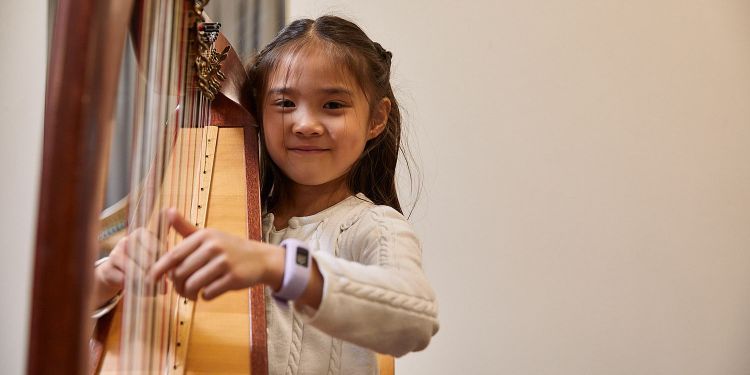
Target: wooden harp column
{"type": "Point", "coordinates": [80, 93]}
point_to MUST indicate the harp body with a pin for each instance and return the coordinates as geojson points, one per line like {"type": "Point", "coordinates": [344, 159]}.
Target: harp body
{"type": "Point", "coordinates": [216, 337]}
{"type": "Point", "coordinates": [209, 172]}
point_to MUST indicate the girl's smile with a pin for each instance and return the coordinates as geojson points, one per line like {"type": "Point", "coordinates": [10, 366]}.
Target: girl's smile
{"type": "Point", "coordinates": [307, 149]}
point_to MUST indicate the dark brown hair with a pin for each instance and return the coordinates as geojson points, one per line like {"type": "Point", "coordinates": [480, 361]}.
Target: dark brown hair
{"type": "Point", "coordinates": [374, 173]}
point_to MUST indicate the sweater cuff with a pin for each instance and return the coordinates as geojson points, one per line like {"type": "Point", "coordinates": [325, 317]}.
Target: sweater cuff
{"type": "Point", "coordinates": [307, 313]}
{"type": "Point", "coordinates": [109, 306]}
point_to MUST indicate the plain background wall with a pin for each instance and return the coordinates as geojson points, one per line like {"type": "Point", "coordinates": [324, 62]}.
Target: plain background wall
{"type": "Point", "coordinates": [24, 46]}
{"type": "Point", "coordinates": [586, 205]}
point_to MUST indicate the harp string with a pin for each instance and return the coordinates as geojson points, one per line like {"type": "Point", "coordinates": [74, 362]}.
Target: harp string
{"type": "Point", "coordinates": [170, 116]}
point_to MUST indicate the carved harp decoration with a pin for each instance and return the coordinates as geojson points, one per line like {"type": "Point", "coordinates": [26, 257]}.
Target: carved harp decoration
{"type": "Point", "coordinates": [191, 131]}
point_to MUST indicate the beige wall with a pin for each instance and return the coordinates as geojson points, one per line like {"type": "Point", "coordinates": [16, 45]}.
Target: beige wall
{"type": "Point", "coordinates": [587, 180]}
{"type": "Point", "coordinates": [24, 45]}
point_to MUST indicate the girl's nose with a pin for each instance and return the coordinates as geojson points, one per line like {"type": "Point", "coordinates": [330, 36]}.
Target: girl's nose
{"type": "Point", "coordinates": [307, 125]}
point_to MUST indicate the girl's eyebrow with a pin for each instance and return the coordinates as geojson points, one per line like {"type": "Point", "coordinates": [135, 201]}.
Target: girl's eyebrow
{"type": "Point", "coordinates": [281, 90]}
{"type": "Point", "coordinates": [334, 90]}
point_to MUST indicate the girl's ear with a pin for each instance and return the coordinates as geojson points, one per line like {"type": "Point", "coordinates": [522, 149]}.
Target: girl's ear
{"type": "Point", "coordinates": [379, 118]}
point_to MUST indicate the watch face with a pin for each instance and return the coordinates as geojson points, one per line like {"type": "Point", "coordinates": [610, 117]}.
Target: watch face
{"type": "Point", "coordinates": [302, 256]}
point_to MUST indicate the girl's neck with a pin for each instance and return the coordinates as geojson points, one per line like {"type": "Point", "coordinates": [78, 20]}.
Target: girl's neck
{"type": "Point", "coordinates": [302, 200]}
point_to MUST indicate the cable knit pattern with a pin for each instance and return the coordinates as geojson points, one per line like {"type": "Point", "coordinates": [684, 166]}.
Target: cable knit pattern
{"type": "Point", "coordinates": [296, 347]}
{"type": "Point", "coordinates": [376, 297]}
{"type": "Point", "coordinates": [383, 258]}
{"type": "Point", "coordinates": [412, 304]}
{"type": "Point", "coordinates": [334, 364]}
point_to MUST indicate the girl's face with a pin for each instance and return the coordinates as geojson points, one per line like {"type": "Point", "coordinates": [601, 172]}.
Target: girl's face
{"type": "Point", "coordinates": [316, 120]}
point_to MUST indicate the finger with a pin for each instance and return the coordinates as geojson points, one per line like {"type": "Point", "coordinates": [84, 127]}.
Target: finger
{"type": "Point", "coordinates": [115, 278]}
{"type": "Point", "coordinates": [218, 287]}
{"type": "Point", "coordinates": [133, 271]}
{"type": "Point", "coordinates": [182, 226]}
{"type": "Point", "coordinates": [141, 249]}
{"type": "Point", "coordinates": [147, 240]}
{"type": "Point", "coordinates": [172, 258]}
{"type": "Point", "coordinates": [119, 270]}
{"type": "Point", "coordinates": [177, 285]}
{"type": "Point", "coordinates": [109, 275]}
{"type": "Point", "coordinates": [117, 256]}
{"type": "Point", "coordinates": [120, 263]}
{"type": "Point", "coordinates": [192, 263]}
{"type": "Point", "coordinates": [204, 276]}
{"type": "Point", "coordinates": [120, 244]}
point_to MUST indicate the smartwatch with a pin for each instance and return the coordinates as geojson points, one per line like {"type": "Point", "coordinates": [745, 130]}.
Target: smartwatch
{"type": "Point", "coordinates": [297, 270]}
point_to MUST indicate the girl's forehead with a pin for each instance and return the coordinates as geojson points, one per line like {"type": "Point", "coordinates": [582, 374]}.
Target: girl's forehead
{"type": "Point", "coordinates": [311, 64]}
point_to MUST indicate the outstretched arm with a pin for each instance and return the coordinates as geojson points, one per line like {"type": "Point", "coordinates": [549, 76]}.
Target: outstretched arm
{"type": "Point", "coordinates": [215, 262]}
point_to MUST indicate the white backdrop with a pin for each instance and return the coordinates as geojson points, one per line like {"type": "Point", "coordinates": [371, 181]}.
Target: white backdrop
{"type": "Point", "coordinates": [586, 171]}
{"type": "Point", "coordinates": [24, 46]}
{"type": "Point", "coordinates": [587, 180]}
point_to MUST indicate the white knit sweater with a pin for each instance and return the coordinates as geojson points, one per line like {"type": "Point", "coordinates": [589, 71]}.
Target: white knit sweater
{"type": "Point", "coordinates": [376, 297]}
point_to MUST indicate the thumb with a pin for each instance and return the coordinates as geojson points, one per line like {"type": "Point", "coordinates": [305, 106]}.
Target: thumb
{"type": "Point", "coordinates": [182, 226]}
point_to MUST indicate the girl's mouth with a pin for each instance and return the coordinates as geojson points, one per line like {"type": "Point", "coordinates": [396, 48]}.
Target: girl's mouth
{"type": "Point", "coordinates": [307, 150]}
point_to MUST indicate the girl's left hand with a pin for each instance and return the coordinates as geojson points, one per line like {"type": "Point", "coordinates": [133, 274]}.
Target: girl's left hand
{"type": "Point", "coordinates": [216, 262]}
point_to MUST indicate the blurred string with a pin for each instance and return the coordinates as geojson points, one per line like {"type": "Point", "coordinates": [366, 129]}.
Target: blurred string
{"type": "Point", "coordinates": [248, 25]}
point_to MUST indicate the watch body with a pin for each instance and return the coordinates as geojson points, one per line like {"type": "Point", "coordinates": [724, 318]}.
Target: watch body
{"type": "Point", "coordinates": [297, 270]}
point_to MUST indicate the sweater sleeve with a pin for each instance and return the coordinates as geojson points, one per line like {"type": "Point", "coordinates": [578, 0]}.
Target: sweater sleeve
{"type": "Point", "coordinates": [376, 294]}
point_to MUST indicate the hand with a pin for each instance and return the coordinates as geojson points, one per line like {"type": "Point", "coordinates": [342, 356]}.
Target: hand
{"type": "Point", "coordinates": [132, 253]}
{"type": "Point", "coordinates": [216, 262]}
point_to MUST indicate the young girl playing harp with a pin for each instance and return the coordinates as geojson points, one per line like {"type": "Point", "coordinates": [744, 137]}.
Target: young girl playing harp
{"type": "Point", "coordinates": [341, 264]}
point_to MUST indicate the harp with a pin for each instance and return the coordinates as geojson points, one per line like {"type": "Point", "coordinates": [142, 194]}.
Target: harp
{"type": "Point", "coordinates": [202, 158]}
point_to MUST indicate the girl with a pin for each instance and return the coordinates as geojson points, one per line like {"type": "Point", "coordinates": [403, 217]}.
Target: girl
{"type": "Point", "coordinates": [338, 255]}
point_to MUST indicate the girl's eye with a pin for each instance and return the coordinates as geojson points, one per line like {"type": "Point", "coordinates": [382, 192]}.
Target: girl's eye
{"type": "Point", "coordinates": [284, 103]}
{"type": "Point", "coordinates": [334, 105]}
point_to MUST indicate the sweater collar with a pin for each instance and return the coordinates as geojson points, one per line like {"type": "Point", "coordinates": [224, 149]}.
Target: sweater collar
{"type": "Point", "coordinates": [299, 221]}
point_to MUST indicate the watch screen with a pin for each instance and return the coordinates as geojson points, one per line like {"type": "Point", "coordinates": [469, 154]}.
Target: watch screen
{"type": "Point", "coordinates": [302, 256]}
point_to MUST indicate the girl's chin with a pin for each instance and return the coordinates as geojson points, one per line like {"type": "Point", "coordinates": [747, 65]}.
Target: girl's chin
{"type": "Point", "coordinates": [317, 181]}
